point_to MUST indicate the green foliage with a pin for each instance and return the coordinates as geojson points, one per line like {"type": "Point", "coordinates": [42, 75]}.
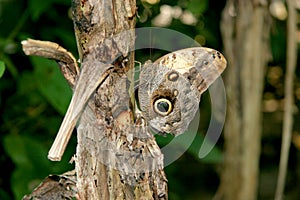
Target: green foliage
{"type": "Point", "coordinates": [4, 195]}
{"type": "Point", "coordinates": [215, 156]}
{"type": "Point", "coordinates": [33, 94]}
{"type": "Point", "coordinates": [197, 7]}
{"type": "Point", "coordinates": [28, 155]}
{"type": "Point", "coordinates": [2, 68]}
{"type": "Point", "coordinates": [191, 143]}
{"type": "Point", "coordinates": [51, 84]}
{"type": "Point", "coordinates": [37, 8]}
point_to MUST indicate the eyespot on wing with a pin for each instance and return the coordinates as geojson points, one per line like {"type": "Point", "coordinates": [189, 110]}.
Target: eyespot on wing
{"type": "Point", "coordinates": [201, 65]}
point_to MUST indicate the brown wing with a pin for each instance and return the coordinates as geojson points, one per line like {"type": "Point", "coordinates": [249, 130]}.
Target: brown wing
{"type": "Point", "coordinates": [200, 65]}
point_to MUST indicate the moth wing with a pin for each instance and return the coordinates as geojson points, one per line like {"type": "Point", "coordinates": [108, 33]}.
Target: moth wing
{"type": "Point", "coordinates": [200, 64]}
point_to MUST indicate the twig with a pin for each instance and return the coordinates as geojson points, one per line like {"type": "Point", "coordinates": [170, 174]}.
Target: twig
{"type": "Point", "coordinates": [93, 73]}
{"type": "Point", "coordinates": [67, 62]}
{"type": "Point", "coordinates": [288, 105]}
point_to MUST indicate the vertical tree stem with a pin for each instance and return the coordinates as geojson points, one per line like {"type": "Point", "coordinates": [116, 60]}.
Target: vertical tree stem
{"type": "Point", "coordinates": [288, 104]}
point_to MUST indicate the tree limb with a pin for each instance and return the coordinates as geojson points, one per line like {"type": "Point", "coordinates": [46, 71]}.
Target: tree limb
{"type": "Point", "coordinates": [289, 102]}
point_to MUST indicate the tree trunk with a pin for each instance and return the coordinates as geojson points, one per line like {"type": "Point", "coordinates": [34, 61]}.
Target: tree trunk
{"type": "Point", "coordinates": [116, 156]}
{"type": "Point", "coordinates": [245, 29]}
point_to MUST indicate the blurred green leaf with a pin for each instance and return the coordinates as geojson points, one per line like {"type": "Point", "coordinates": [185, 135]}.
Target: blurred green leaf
{"type": "Point", "coordinates": [32, 165]}
{"type": "Point", "coordinates": [214, 156]}
{"type": "Point", "coordinates": [163, 140]}
{"type": "Point", "coordinates": [197, 7]}
{"type": "Point", "coordinates": [29, 158]}
{"type": "Point", "coordinates": [192, 145]}
{"type": "Point", "coordinates": [52, 84]}
{"type": "Point", "coordinates": [278, 45]}
{"type": "Point", "coordinates": [2, 68]}
{"type": "Point", "coordinates": [37, 7]}
{"type": "Point", "coordinates": [4, 195]}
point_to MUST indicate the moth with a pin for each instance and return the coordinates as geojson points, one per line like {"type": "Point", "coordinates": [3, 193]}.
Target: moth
{"type": "Point", "coordinates": [170, 88]}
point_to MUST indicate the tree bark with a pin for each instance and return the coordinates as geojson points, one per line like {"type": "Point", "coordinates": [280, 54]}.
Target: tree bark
{"type": "Point", "coordinates": [117, 158]}
{"type": "Point", "coordinates": [245, 29]}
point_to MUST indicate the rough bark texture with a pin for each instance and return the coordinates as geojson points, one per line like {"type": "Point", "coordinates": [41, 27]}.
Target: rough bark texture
{"type": "Point", "coordinates": [245, 29]}
{"type": "Point", "coordinates": [116, 157]}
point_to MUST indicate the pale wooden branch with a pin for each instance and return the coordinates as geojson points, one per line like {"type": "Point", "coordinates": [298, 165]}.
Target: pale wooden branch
{"type": "Point", "coordinates": [89, 80]}
{"type": "Point", "coordinates": [67, 62]}
{"type": "Point", "coordinates": [92, 75]}
{"type": "Point", "coordinates": [289, 102]}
